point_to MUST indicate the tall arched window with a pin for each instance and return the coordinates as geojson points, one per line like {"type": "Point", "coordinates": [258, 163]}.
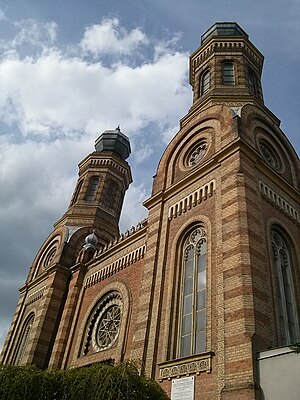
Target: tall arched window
{"type": "Point", "coordinates": [228, 73]}
{"type": "Point", "coordinates": [76, 193]}
{"type": "Point", "coordinates": [204, 82]}
{"type": "Point", "coordinates": [284, 291]}
{"type": "Point", "coordinates": [192, 329]}
{"type": "Point", "coordinates": [252, 82]}
{"type": "Point", "coordinates": [110, 194]}
{"type": "Point", "coordinates": [92, 188]}
{"type": "Point", "coordinates": [24, 339]}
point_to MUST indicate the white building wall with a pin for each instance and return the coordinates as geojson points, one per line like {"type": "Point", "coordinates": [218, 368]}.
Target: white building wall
{"type": "Point", "coordinates": [279, 372]}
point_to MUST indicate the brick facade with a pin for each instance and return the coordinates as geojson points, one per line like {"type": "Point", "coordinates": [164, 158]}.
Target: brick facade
{"type": "Point", "coordinates": [233, 191]}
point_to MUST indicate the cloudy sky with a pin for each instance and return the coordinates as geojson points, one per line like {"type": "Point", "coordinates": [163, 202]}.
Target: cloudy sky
{"type": "Point", "coordinates": [69, 69]}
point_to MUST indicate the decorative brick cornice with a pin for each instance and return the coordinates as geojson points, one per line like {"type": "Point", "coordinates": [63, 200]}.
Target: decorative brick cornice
{"type": "Point", "coordinates": [185, 366]}
{"type": "Point", "coordinates": [115, 266]}
{"type": "Point", "coordinates": [192, 199]}
{"type": "Point", "coordinates": [279, 202]}
{"type": "Point", "coordinates": [224, 46]}
{"type": "Point", "coordinates": [38, 294]}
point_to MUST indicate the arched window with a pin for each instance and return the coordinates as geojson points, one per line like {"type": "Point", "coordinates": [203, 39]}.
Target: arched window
{"type": "Point", "coordinates": [104, 324]}
{"type": "Point", "coordinates": [92, 188]}
{"type": "Point", "coordinates": [24, 338]}
{"type": "Point", "coordinates": [76, 193]}
{"type": "Point", "coordinates": [204, 82]}
{"type": "Point", "coordinates": [228, 73]}
{"type": "Point", "coordinates": [110, 194]}
{"type": "Point", "coordinates": [252, 82]}
{"type": "Point", "coordinates": [284, 291]}
{"type": "Point", "coordinates": [192, 329]}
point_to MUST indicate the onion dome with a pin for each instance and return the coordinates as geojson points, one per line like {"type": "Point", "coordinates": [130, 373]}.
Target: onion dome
{"type": "Point", "coordinates": [114, 140]}
{"type": "Point", "coordinates": [91, 241]}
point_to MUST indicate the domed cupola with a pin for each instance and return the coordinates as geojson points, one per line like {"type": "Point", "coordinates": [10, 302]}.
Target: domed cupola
{"type": "Point", "coordinates": [114, 140]}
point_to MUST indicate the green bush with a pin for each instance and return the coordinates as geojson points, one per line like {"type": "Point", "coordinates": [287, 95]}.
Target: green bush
{"type": "Point", "coordinates": [96, 382]}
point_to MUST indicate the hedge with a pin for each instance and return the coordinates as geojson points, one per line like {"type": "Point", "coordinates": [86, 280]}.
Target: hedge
{"type": "Point", "coordinates": [97, 382]}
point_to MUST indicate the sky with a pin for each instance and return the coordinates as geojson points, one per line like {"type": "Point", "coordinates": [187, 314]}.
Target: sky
{"type": "Point", "coordinates": [70, 69]}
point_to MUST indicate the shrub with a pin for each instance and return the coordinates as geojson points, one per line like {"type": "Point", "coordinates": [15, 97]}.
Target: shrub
{"type": "Point", "coordinates": [97, 382]}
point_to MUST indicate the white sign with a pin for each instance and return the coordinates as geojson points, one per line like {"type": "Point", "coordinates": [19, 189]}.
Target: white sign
{"type": "Point", "coordinates": [183, 388]}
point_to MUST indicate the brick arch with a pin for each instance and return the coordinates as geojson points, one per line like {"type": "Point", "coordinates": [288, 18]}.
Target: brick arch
{"type": "Point", "coordinates": [253, 119]}
{"type": "Point", "coordinates": [292, 244]}
{"type": "Point", "coordinates": [118, 349]}
{"type": "Point", "coordinates": [169, 341]}
{"type": "Point", "coordinates": [31, 314]}
{"type": "Point", "coordinates": [59, 236]}
{"type": "Point", "coordinates": [217, 119]}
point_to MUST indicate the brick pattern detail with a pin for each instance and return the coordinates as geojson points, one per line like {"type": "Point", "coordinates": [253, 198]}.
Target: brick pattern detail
{"type": "Point", "coordinates": [192, 199]}
{"type": "Point", "coordinates": [179, 368]}
{"type": "Point", "coordinates": [38, 294]}
{"type": "Point", "coordinates": [115, 267]}
{"type": "Point", "coordinates": [279, 202]}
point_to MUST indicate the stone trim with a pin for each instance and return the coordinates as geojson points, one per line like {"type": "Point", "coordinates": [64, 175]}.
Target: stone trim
{"type": "Point", "coordinates": [192, 199]}
{"type": "Point", "coordinates": [185, 366]}
{"type": "Point", "coordinates": [235, 45]}
{"type": "Point", "coordinates": [38, 294]}
{"type": "Point", "coordinates": [134, 229]}
{"type": "Point", "coordinates": [279, 202]}
{"type": "Point", "coordinates": [96, 162]}
{"type": "Point", "coordinates": [115, 267]}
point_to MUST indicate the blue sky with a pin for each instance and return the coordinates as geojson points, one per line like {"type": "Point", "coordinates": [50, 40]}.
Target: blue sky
{"type": "Point", "coordinates": [71, 69]}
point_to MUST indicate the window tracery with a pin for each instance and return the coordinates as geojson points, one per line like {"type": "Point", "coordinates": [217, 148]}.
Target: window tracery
{"type": "Point", "coordinates": [269, 155]}
{"type": "Point", "coordinates": [49, 257]}
{"type": "Point", "coordinates": [192, 329]}
{"type": "Point", "coordinates": [284, 292]}
{"type": "Point", "coordinates": [197, 154]}
{"type": "Point", "coordinates": [24, 339]}
{"type": "Point", "coordinates": [104, 324]}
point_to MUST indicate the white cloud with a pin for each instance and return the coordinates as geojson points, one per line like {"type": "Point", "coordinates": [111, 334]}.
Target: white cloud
{"type": "Point", "coordinates": [53, 105]}
{"type": "Point", "coordinates": [108, 37]}
{"type": "Point", "coordinates": [142, 152]}
{"type": "Point", "coordinates": [53, 94]}
{"type": "Point", "coordinates": [132, 211]}
{"type": "Point", "coordinates": [35, 33]}
{"type": "Point", "coordinates": [2, 15]}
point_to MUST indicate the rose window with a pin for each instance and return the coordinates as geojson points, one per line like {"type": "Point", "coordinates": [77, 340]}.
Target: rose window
{"type": "Point", "coordinates": [104, 324]}
{"type": "Point", "coordinates": [108, 327]}
{"type": "Point", "coordinates": [269, 156]}
{"type": "Point", "coordinates": [197, 154]}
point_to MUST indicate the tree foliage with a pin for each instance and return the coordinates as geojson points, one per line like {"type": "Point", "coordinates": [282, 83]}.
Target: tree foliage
{"type": "Point", "coordinates": [97, 382]}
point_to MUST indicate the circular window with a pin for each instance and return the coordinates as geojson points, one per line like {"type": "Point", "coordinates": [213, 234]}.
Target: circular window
{"type": "Point", "coordinates": [107, 329]}
{"type": "Point", "coordinates": [196, 154]}
{"type": "Point", "coordinates": [269, 156]}
{"type": "Point", "coordinates": [49, 258]}
{"type": "Point", "coordinates": [104, 326]}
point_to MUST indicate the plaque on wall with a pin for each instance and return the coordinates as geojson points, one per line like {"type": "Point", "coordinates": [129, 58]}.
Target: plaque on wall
{"type": "Point", "coordinates": [183, 388]}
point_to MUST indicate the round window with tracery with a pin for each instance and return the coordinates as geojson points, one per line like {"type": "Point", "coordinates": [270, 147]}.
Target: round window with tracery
{"type": "Point", "coordinates": [49, 258]}
{"type": "Point", "coordinates": [269, 156]}
{"type": "Point", "coordinates": [196, 154]}
{"type": "Point", "coordinates": [108, 327]}
{"type": "Point", "coordinates": [104, 323]}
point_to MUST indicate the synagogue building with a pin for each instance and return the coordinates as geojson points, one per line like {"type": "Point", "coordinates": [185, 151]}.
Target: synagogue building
{"type": "Point", "coordinates": [210, 280]}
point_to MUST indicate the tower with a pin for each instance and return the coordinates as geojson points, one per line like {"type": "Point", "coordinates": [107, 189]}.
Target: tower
{"type": "Point", "coordinates": [95, 209]}
{"type": "Point", "coordinates": [211, 277]}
